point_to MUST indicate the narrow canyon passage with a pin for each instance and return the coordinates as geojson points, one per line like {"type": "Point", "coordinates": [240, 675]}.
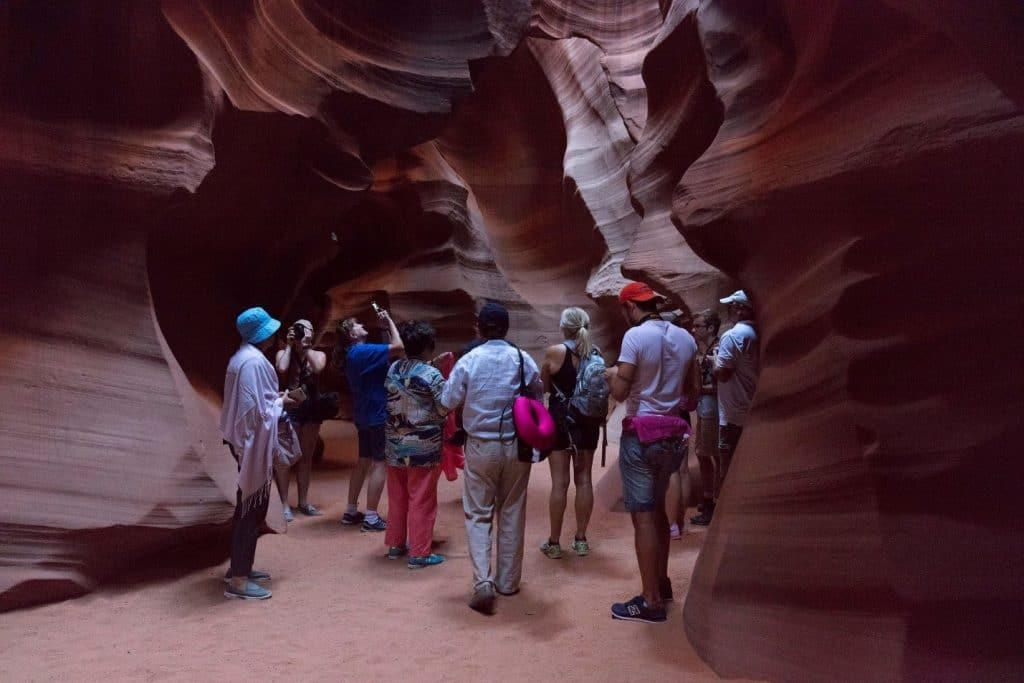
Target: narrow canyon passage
{"type": "Point", "coordinates": [853, 165]}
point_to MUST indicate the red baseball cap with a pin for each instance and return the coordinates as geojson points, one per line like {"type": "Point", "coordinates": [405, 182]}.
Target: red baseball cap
{"type": "Point", "coordinates": [637, 291]}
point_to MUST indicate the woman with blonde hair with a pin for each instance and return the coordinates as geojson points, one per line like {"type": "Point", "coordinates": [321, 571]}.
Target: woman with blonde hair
{"type": "Point", "coordinates": [577, 435]}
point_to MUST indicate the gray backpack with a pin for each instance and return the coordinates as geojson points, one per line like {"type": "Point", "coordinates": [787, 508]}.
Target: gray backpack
{"type": "Point", "coordinates": [590, 395]}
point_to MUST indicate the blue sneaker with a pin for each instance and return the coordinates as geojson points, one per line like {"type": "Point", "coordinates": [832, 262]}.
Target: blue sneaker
{"type": "Point", "coordinates": [428, 561]}
{"type": "Point", "coordinates": [250, 591]}
{"type": "Point", "coordinates": [397, 552]}
{"type": "Point", "coordinates": [379, 525]}
{"type": "Point", "coordinates": [637, 610]}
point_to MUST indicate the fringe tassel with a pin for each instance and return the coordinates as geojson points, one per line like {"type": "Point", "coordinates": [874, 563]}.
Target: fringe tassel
{"type": "Point", "coordinates": [256, 499]}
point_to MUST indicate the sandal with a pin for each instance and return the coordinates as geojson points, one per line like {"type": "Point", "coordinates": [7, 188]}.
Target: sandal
{"type": "Point", "coordinates": [309, 510]}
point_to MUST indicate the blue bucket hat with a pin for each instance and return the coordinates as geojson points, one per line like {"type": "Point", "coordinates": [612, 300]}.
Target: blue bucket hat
{"type": "Point", "coordinates": [255, 325]}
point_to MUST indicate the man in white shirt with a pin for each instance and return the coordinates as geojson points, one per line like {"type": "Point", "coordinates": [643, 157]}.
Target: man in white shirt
{"type": "Point", "coordinates": [736, 369]}
{"type": "Point", "coordinates": [656, 371]}
{"type": "Point", "coordinates": [485, 382]}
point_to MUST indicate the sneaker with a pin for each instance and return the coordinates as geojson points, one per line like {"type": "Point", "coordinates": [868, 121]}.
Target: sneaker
{"type": "Point", "coordinates": [665, 588]}
{"type": "Point", "coordinates": [483, 599]}
{"type": "Point", "coordinates": [380, 525]}
{"type": "Point", "coordinates": [250, 591]}
{"type": "Point", "coordinates": [703, 519]}
{"type": "Point", "coordinates": [674, 533]}
{"type": "Point", "coordinates": [508, 594]}
{"type": "Point", "coordinates": [288, 516]}
{"type": "Point", "coordinates": [552, 550]}
{"type": "Point", "coordinates": [637, 610]}
{"type": "Point", "coordinates": [581, 547]}
{"type": "Point", "coordinates": [397, 552]}
{"type": "Point", "coordinates": [428, 561]}
{"type": "Point", "coordinates": [352, 518]}
{"type": "Point", "coordinates": [309, 510]}
{"type": "Point", "coordinates": [254, 575]}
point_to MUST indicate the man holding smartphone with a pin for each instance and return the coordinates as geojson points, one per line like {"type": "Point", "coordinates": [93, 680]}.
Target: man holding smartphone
{"type": "Point", "coordinates": [366, 366]}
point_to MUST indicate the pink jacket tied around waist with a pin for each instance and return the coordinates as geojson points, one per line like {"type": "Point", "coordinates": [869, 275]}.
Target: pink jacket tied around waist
{"type": "Point", "coordinates": [651, 428]}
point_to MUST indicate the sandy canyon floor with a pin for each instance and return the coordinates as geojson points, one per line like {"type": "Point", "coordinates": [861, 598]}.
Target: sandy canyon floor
{"type": "Point", "coordinates": [342, 611]}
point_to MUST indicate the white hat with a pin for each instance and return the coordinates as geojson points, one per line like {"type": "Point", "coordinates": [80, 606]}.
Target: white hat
{"type": "Point", "coordinates": [737, 297]}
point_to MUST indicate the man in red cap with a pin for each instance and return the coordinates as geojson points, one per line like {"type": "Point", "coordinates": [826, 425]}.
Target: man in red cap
{"type": "Point", "coordinates": [656, 370]}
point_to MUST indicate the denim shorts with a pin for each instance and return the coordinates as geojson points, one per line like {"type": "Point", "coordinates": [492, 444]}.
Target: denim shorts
{"type": "Point", "coordinates": [646, 470]}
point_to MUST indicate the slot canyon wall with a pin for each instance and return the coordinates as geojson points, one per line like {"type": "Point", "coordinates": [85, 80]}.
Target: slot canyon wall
{"type": "Point", "coordinates": [854, 165]}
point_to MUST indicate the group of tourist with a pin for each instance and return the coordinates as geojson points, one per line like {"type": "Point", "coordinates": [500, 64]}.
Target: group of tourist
{"type": "Point", "coordinates": [402, 401]}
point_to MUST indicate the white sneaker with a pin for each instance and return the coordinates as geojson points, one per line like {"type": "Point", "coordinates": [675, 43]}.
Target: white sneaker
{"type": "Point", "coordinates": [288, 516]}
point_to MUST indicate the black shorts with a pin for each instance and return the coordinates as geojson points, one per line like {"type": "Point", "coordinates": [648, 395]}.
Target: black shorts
{"type": "Point", "coordinates": [584, 432]}
{"type": "Point", "coordinates": [371, 442]}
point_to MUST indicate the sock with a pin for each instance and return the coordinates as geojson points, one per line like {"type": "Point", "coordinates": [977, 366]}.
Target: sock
{"type": "Point", "coordinates": [352, 509]}
{"type": "Point", "coordinates": [371, 516]}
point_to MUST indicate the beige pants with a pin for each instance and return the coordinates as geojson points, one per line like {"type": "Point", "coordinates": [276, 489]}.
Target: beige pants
{"type": "Point", "coordinates": [494, 491]}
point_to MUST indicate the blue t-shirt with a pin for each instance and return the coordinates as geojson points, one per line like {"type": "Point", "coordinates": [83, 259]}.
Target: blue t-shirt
{"type": "Point", "coordinates": [366, 366]}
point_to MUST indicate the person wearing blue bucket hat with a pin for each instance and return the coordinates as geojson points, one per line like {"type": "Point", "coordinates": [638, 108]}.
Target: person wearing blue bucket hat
{"type": "Point", "coordinates": [250, 420]}
{"type": "Point", "coordinates": [256, 326]}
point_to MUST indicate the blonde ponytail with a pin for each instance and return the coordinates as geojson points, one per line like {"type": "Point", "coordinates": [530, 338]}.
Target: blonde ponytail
{"type": "Point", "coordinates": [575, 324]}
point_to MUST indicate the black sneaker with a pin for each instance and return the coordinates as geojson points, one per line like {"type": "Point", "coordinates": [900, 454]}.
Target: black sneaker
{"type": "Point", "coordinates": [379, 525]}
{"type": "Point", "coordinates": [665, 588]}
{"type": "Point", "coordinates": [352, 518]}
{"type": "Point", "coordinates": [637, 610]}
{"type": "Point", "coordinates": [483, 599]}
{"type": "Point", "coordinates": [704, 518]}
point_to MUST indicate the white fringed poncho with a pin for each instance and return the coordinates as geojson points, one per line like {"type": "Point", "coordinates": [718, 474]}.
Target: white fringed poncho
{"type": "Point", "coordinates": [249, 420]}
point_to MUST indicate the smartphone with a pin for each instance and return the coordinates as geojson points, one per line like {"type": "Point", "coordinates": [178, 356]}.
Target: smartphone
{"type": "Point", "coordinates": [376, 308]}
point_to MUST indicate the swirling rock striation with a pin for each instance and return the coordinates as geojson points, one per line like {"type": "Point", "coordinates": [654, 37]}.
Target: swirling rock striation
{"type": "Point", "coordinates": [861, 187]}
{"type": "Point", "coordinates": [834, 158]}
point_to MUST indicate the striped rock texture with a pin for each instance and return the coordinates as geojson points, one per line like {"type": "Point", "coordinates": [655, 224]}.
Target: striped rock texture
{"type": "Point", "coordinates": [854, 166]}
{"type": "Point", "coordinates": [862, 187]}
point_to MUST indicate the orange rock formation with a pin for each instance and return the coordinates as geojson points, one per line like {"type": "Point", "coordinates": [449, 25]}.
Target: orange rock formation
{"type": "Point", "coordinates": [855, 166]}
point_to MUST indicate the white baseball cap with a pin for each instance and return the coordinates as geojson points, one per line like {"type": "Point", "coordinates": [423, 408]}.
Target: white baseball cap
{"type": "Point", "coordinates": [737, 297]}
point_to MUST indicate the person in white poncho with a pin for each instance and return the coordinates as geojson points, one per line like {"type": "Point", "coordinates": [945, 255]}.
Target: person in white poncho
{"type": "Point", "coordinates": [250, 421]}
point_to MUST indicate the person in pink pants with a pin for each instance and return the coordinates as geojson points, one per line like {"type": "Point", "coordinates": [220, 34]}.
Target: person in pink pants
{"type": "Point", "coordinates": [413, 438]}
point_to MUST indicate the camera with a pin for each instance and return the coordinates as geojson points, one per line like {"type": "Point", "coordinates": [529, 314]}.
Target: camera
{"type": "Point", "coordinates": [376, 309]}
{"type": "Point", "coordinates": [299, 332]}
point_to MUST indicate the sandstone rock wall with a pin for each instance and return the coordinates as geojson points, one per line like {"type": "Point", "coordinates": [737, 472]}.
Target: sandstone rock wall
{"type": "Point", "coordinates": [855, 166]}
{"type": "Point", "coordinates": [862, 187]}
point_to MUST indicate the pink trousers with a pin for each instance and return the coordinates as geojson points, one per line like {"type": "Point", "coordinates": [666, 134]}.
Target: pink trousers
{"type": "Point", "coordinates": [412, 507]}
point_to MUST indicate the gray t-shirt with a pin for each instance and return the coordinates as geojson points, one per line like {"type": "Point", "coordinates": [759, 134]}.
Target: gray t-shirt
{"type": "Point", "coordinates": [662, 354]}
{"type": "Point", "coordinates": [739, 350]}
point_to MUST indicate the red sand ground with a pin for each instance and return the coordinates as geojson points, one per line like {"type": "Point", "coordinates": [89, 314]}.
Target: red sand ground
{"type": "Point", "coordinates": [342, 611]}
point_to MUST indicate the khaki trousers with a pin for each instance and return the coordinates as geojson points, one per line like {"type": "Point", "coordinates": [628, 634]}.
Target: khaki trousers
{"type": "Point", "coordinates": [494, 492]}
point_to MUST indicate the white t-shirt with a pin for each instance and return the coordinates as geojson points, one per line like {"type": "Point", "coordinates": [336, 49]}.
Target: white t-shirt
{"type": "Point", "coordinates": [662, 354]}
{"type": "Point", "coordinates": [739, 350]}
